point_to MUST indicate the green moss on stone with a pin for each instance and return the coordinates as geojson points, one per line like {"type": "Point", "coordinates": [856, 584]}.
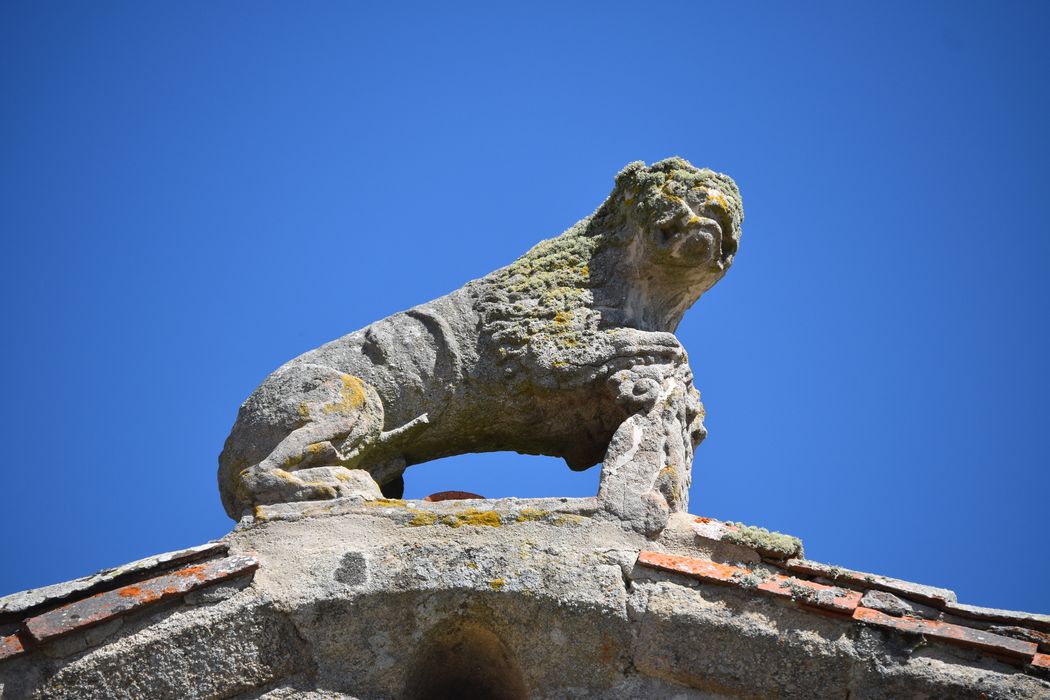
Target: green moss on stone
{"type": "Point", "coordinates": [775, 545]}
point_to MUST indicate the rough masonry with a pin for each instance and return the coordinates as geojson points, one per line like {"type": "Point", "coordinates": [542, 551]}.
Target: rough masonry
{"type": "Point", "coordinates": [569, 352]}
{"type": "Point", "coordinates": [506, 599]}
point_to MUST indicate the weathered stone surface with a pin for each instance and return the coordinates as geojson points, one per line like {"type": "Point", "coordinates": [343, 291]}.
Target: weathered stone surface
{"type": "Point", "coordinates": [680, 536]}
{"type": "Point", "coordinates": [569, 351]}
{"type": "Point", "coordinates": [1041, 639]}
{"type": "Point", "coordinates": [726, 642]}
{"type": "Point", "coordinates": [914, 591]}
{"type": "Point", "coordinates": [105, 606]}
{"type": "Point", "coordinates": [237, 646]}
{"type": "Point", "coordinates": [886, 602]}
{"type": "Point", "coordinates": [18, 605]}
{"type": "Point", "coordinates": [774, 546]}
{"type": "Point", "coordinates": [450, 513]}
{"type": "Point", "coordinates": [374, 599]}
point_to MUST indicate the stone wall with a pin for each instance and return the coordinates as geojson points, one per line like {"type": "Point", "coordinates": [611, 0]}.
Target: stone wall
{"type": "Point", "coordinates": [505, 599]}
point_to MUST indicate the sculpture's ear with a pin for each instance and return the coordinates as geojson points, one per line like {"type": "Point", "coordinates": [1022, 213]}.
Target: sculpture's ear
{"type": "Point", "coordinates": [628, 178]}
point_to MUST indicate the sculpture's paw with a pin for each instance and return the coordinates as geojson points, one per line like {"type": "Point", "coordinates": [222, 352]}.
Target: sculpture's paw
{"type": "Point", "coordinates": [311, 484]}
{"type": "Point", "coordinates": [629, 347]}
{"type": "Point", "coordinates": [637, 389]}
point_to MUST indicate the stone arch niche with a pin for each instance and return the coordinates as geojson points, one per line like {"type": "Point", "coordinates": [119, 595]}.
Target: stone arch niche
{"type": "Point", "coordinates": [461, 659]}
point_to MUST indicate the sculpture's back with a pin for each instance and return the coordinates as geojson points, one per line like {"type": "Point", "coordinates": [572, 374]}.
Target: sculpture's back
{"type": "Point", "coordinates": [566, 352]}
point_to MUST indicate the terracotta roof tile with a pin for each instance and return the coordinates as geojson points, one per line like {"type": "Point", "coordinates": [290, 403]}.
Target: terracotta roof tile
{"type": "Point", "coordinates": [10, 646]}
{"type": "Point", "coordinates": [955, 634]}
{"type": "Point", "coordinates": [105, 606]}
{"type": "Point", "coordinates": [808, 593]}
{"type": "Point", "coordinates": [451, 496]}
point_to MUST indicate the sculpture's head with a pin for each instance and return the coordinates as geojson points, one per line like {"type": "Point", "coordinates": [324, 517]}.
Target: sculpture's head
{"type": "Point", "coordinates": [685, 216]}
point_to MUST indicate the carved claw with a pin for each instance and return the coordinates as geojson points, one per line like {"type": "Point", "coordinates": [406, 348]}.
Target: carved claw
{"type": "Point", "coordinates": [409, 428]}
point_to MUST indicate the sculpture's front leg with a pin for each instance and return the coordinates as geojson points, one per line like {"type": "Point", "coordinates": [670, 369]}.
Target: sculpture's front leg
{"type": "Point", "coordinates": [647, 468]}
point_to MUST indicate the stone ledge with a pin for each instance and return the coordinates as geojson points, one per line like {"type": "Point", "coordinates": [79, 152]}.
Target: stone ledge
{"type": "Point", "coordinates": [400, 509]}
{"type": "Point", "coordinates": [1016, 617]}
{"type": "Point", "coordinates": [357, 595]}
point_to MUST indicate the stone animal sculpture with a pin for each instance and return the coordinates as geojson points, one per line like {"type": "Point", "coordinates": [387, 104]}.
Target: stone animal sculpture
{"type": "Point", "coordinates": [569, 351]}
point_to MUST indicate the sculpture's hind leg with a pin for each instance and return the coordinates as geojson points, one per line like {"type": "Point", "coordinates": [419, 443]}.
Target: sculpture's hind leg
{"type": "Point", "coordinates": [297, 437]}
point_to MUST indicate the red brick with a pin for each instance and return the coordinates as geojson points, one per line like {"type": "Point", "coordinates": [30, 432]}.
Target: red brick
{"type": "Point", "coordinates": [451, 496]}
{"type": "Point", "coordinates": [698, 568]}
{"type": "Point", "coordinates": [10, 646]}
{"type": "Point", "coordinates": [806, 592]}
{"type": "Point", "coordinates": [955, 634]}
{"type": "Point", "coordinates": [818, 595]}
{"type": "Point", "coordinates": [1041, 661]}
{"type": "Point", "coordinates": [105, 606]}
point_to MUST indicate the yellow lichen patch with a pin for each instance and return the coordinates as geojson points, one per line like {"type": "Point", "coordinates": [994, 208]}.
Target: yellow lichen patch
{"type": "Point", "coordinates": [585, 271]}
{"type": "Point", "coordinates": [717, 197]}
{"type": "Point", "coordinates": [562, 318]}
{"type": "Point", "coordinates": [536, 514]}
{"type": "Point", "coordinates": [470, 516]}
{"type": "Point", "coordinates": [532, 514]}
{"type": "Point", "coordinates": [497, 583]}
{"type": "Point", "coordinates": [260, 514]}
{"type": "Point", "coordinates": [422, 518]}
{"type": "Point", "coordinates": [387, 503]}
{"type": "Point", "coordinates": [351, 396]}
{"type": "Point", "coordinates": [665, 190]}
{"type": "Point", "coordinates": [304, 410]}
{"type": "Point", "coordinates": [473, 517]}
{"type": "Point", "coordinates": [471, 565]}
{"type": "Point", "coordinates": [671, 475]}
{"type": "Point", "coordinates": [315, 447]}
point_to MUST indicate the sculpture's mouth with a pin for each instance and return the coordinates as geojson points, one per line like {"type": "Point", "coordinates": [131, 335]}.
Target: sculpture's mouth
{"type": "Point", "coordinates": [696, 239]}
{"type": "Point", "coordinates": [715, 216]}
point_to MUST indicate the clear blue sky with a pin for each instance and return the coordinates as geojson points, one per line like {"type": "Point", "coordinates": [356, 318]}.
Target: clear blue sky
{"type": "Point", "coordinates": [193, 193]}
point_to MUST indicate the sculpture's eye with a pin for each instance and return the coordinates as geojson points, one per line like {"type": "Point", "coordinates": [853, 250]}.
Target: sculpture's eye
{"type": "Point", "coordinates": [665, 233]}
{"type": "Point", "coordinates": [717, 199]}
